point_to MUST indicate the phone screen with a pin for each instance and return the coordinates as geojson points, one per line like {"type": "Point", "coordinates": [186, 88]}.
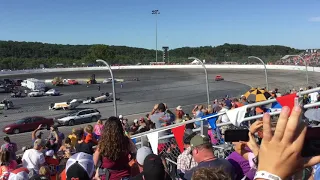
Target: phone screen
{"type": "Point", "coordinates": [236, 135]}
{"type": "Point", "coordinates": [311, 145]}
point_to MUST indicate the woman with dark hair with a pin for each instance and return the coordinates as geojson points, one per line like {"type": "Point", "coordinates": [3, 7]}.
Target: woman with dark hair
{"type": "Point", "coordinates": [112, 155]}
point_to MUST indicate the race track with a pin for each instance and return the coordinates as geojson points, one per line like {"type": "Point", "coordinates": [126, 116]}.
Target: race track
{"type": "Point", "coordinates": [174, 87]}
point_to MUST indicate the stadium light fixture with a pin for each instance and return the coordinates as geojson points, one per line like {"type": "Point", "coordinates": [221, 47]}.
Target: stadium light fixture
{"type": "Point", "coordinates": [156, 12]}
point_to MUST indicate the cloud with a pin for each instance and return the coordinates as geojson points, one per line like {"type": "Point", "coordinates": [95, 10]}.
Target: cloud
{"type": "Point", "coordinates": [314, 19]}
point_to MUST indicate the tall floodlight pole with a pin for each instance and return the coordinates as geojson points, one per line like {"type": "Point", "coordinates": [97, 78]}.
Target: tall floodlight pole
{"type": "Point", "coordinates": [113, 86]}
{"type": "Point", "coordinates": [265, 69]}
{"type": "Point", "coordinates": [305, 63]}
{"type": "Point", "coordinates": [156, 12]}
{"type": "Point", "coordinates": [204, 129]}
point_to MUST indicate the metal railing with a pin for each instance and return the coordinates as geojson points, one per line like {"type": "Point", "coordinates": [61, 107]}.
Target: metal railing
{"type": "Point", "coordinates": [221, 150]}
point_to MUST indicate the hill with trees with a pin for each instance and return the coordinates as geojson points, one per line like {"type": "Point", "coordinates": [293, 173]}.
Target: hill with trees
{"type": "Point", "coordinates": [25, 55]}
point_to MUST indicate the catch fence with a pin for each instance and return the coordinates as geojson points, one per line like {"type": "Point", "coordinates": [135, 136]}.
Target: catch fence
{"type": "Point", "coordinates": [171, 151]}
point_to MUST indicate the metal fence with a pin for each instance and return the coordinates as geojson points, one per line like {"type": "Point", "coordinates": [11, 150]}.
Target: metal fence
{"type": "Point", "coordinates": [171, 151]}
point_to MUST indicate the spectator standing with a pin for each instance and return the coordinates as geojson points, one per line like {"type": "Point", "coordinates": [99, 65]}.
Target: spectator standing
{"type": "Point", "coordinates": [179, 114]}
{"type": "Point", "coordinates": [160, 119]}
{"type": "Point", "coordinates": [81, 146]}
{"type": "Point", "coordinates": [10, 147]}
{"type": "Point", "coordinates": [73, 137]}
{"type": "Point", "coordinates": [34, 158]}
{"type": "Point", "coordinates": [6, 164]}
{"type": "Point", "coordinates": [98, 128]}
{"type": "Point", "coordinates": [153, 169]}
{"type": "Point", "coordinates": [66, 149]}
{"type": "Point", "coordinates": [202, 153]}
{"type": "Point", "coordinates": [142, 153]}
{"type": "Point", "coordinates": [185, 161]}
{"type": "Point", "coordinates": [90, 137]}
{"type": "Point", "coordinates": [52, 163]}
{"type": "Point", "coordinates": [55, 137]}
{"type": "Point", "coordinates": [113, 151]}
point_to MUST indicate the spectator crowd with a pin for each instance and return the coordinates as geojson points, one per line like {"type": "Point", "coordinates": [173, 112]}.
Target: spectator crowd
{"type": "Point", "coordinates": [105, 151]}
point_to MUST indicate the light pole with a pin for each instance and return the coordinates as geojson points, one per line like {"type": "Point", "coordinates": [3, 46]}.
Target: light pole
{"type": "Point", "coordinates": [265, 69]}
{"type": "Point", "coordinates": [113, 88]}
{"type": "Point", "coordinates": [305, 63]}
{"type": "Point", "coordinates": [204, 129]}
{"type": "Point", "coordinates": [156, 12]}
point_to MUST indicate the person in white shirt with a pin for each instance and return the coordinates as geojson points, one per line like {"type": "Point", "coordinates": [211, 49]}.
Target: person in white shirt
{"type": "Point", "coordinates": [313, 97]}
{"type": "Point", "coordinates": [33, 159]}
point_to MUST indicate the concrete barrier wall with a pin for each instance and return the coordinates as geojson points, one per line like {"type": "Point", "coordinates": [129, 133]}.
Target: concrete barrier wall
{"type": "Point", "coordinates": [208, 66]}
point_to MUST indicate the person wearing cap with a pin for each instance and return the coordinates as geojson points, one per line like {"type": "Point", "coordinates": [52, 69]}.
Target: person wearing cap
{"type": "Point", "coordinates": [18, 174]}
{"type": "Point", "coordinates": [134, 127]}
{"type": "Point", "coordinates": [142, 153]}
{"type": "Point", "coordinates": [153, 169]}
{"type": "Point", "coordinates": [34, 158]}
{"type": "Point", "coordinates": [185, 160]}
{"type": "Point", "coordinates": [179, 114]}
{"type": "Point", "coordinates": [52, 162]}
{"type": "Point", "coordinates": [202, 152]}
{"type": "Point", "coordinates": [79, 166]}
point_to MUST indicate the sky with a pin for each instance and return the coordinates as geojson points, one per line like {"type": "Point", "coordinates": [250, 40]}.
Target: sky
{"type": "Point", "coordinates": [294, 23]}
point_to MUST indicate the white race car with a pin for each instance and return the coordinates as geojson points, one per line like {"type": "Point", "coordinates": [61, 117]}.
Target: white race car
{"type": "Point", "coordinates": [70, 104]}
{"type": "Point", "coordinates": [52, 92]}
{"type": "Point", "coordinates": [36, 93]}
{"type": "Point", "coordinates": [103, 98]}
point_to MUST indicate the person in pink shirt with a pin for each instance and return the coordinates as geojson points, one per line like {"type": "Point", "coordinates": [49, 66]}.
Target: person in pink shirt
{"type": "Point", "coordinates": [98, 128]}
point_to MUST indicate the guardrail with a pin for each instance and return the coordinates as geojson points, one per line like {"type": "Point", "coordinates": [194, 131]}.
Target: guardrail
{"type": "Point", "coordinates": [208, 66]}
{"type": "Point", "coordinates": [221, 150]}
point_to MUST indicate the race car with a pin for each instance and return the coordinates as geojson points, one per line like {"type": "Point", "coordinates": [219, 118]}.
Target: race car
{"type": "Point", "coordinates": [70, 104]}
{"type": "Point", "coordinates": [72, 82]}
{"type": "Point", "coordinates": [108, 97]}
{"type": "Point", "coordinates": [100, 99]}
{"type": "Point", "coordinates": [6, 104]}
{"type": "Point", "coordinates": [36, 93]}
{"type": "Point", "coordinates": [52, 92]}
{"type": "Point", "coordinates": [219, 78]}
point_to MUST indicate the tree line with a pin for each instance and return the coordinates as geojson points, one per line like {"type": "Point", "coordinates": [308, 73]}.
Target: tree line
{"type": "Point", "coordinates": [27, 55]}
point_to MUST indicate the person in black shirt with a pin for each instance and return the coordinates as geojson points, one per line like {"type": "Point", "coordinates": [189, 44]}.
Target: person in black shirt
{"type": "Point", "coordinates": [81, 146]}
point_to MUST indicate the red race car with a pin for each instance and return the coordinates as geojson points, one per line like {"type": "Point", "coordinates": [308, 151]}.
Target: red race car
{"type": "Point", "coordinates": [219, 78]}
{"type": "Point", "coordinates": [72, 82]}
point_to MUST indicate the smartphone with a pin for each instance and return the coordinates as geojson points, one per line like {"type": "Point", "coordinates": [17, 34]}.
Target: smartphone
{"type": "Point", "coordinates": [311, 145]}
{"type": "Point", "coordinates": [236, 135]}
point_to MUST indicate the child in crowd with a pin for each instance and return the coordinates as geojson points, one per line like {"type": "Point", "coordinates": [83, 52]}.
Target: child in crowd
{"type": "Point", "coordinates": [90, 136]}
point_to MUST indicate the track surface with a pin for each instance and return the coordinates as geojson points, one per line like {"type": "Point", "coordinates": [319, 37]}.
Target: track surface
{"type": "Point", "coordinates": [174, 87]}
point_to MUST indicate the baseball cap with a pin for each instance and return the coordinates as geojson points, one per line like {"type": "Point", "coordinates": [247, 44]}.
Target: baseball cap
{"type": "Point", "coordinates": [80, 166]}
{"type": "Point", "coordinates": [39, 142]}
{"type": "Point", "coordinates": [179, 108]}
{"type": "Point", "coordinates": [313, 114]}
{"type": "Point", "coordinates": [50, 153]}
{"type": "Point", "coordinates": [153, 168]}
{"type": "Point", "coordinates": [198, 140]}
{"type": "Point", "coordinates": [120, 116]}
{"type": "Point", "coordinates": [135, 121]}
{"type": "Point", "coordinates": [142, 153]}
{"type": "Point", "coordinates": [19, 174]}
